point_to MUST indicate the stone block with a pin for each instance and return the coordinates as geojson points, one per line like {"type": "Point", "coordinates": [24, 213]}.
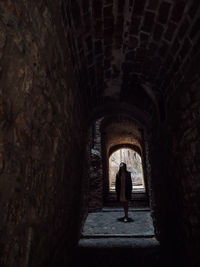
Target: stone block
{"type": "Point", "coordinates": [175, 46]}
{"type": "Point", "coordinates": [153, 4]}
{"type": "Point", "coordinates": [185, 48]}
{"type": "Point", "coordinates": [163, 49]}
{"type": "Point", "coordinates": [98, 29]}
{"type": "Point", "coordinates": [158, 31]}
{"type": "Point", "coordinates": [135, 25]}
{"type": "Point", "coordinates": [130, 56]}
{"type": "Point", "coordinates": [121, 4]}
{"type": "Point", "coordinates": [178, 11]}
{"type": "Point", "coordinates": [98, 47]}
{"type": "Point", "coordinates": [108, 36]}
{"type": "Point", "coordinates": [196, 47]}
{"type": "Point", "coordinates": [193, 8]}
{"type": "Point", "coordinates": [141, 54]}
{"type": "Point", "coordinates": [139, 7]}
{"type": "Point", "coordinates": [109, 23]}
{"type": "Point", "coordinates": [108, 11]}
{"type": "Point", "coordinates": [97, 8]}
{"type": "Point", "coordinates": [89, 43]}
{"type": "Point", "coordinates": [85, 5]}
{"type": "Point", "coordinates": [195, 29]}
{"type": "Point", "coordinates": [183, 28]}
{"type": "Point", "coordinates": [163, 14]}
{"type": "Point", "coordinates": [170, 31]}
{"type": "Point", "coordinates": [148, 21]}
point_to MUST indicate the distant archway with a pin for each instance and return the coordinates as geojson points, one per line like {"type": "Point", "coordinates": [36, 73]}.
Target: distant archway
{"type": "Point", "coordinates": [134, 165]}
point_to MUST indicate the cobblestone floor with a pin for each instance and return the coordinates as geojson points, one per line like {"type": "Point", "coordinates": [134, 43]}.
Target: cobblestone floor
{"type": "Point", "coordinates": [108, 242]}
{"type": "Point", "coordinates": [107, 222]}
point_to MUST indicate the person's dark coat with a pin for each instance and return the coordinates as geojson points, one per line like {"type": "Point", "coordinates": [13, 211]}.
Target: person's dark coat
{"type": "Point", "coordinates": [128, 185]}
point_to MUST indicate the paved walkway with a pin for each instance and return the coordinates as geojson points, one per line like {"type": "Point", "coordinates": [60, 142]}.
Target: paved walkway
{"type": "Point", "coordinates": [108, 242]}
{"type": "Point", "coordinates": [107, 224]}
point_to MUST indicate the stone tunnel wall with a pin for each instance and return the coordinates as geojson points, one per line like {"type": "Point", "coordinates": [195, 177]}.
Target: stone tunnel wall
{"type": "Point", "coordinates": [96, 171]}
{"type": "Point", "coordinates": [41, 136]}
{"type": "Point", "coordinates": [176, 179]}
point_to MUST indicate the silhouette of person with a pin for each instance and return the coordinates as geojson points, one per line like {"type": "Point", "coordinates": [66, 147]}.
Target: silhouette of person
{"type": "Point", "coordinates": [123, 187]}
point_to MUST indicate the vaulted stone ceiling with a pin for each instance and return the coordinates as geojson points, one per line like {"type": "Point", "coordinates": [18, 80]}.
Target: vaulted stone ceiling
{"type": "Point", "coordinates": [135, 51]}
{"type": "Point", "coordinates": [120, 131]}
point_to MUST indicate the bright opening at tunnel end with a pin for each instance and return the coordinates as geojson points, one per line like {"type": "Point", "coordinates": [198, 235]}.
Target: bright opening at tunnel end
{"type": "Point", "coordinates": [134, 165]}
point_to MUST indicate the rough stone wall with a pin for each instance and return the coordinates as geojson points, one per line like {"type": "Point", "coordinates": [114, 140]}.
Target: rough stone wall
{"type": "Point", "coordinates": [185, 147]}
{"type": "Point", "coordinates": [176, 180]}
{"type": "Point", "coordinates": [41, 136]}
{"type": "Point", "coordinates": [96, 172]}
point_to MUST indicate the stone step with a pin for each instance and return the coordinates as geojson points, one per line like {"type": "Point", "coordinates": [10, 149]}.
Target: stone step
{"type": "Point", "coordinates": [111, 223]}
{"type": "Point", "coordinates": [117, 252]}
{"type": "Point", "coordinates": [119, 209]}
{"type": "Point", "coordinates": [117, 241]}
{"type": "Point", "coordinates": [117, 236]}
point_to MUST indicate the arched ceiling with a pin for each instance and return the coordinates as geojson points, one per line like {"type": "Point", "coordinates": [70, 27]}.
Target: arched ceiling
{"type": "Point", "coordinates": [127, 146]}
{"type": "Point", "coordinates": [132, 51]}
{"type": "Point", "coordinates": [119, 131]}
{"type": "Point", "coordinates": [114, 111]}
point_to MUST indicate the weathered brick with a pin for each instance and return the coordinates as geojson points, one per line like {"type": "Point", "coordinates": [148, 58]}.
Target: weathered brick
{"type": "Point", "coordinates": [127, 67]}
{"type": "Point", "coordinates": [158, 31]}
{"type": "Point", "coordinates": [98, 28]}
{"type": "Point", "coordinates": [90, 59]}
{"type": "Point", "coordinates": [85, 5]}
{"type": "Point", "coordinates": [195, 28]}
{"type": "Point", "coordinates": [185, 48]}
{"type": "Point", "coordinates": [139, 7]}
{"type": "Point", "coordinates": [194, 8]}
{"type": "Point", "coordinates": [153, 4]}
{"type": "Point", "coordinates": [163, 49]}
{"type": "Point", "coordinates": [168, 62]}
{"type": "Point", "coordinates": [152, 48]}
{"type": "Point", "coordinates": [97, 7]}
{"type": "Point", "coordinates": [76, 14]}
{"type": "Point", "coordinates": [108, 51]}
{"type": "Point", "coordinates": [148, 21]}
{"type": "Point", "coordinates": [109, 1]}
{"type": "Point", "coordinates": [107, 64]}
{"type": "Point", "coordinates": [178, 11]}
{"type": "Point", "coordinates": [89, 43]}
{"type": "Point", "coordinates": [130, 56]}
{"type": "Point", "coordinates": [184, 27]}
{"type": "Point", "coordinates": [144, 37]}
{"type": "Point", "coordinates": [87, 23]}
{"type": "Point", "coordinates": [163, 14]}
{"type": "Point", "coordinates": [92, 75]}
{"type": "Point", "coordinates": [175, 46]}
{"type": "Point", "coordinates": [135, 24]}
{"type": "Point", "coordinates": [121, 5]}
{"type": "Point", "coordinates": [133, 42]}
{"type": "Point", "coordinates": [98, 47]}
{"type": "Point", "coordinates": [196, 47]}
{"type": "Point", "coordinates": [170, 31]}
{"type": "Point", "coordinates": [137, 67]}
{"type": "Point", "coordinates": [176, 65]}
{"type": "Point", "coordinates": [109, 23]}
{"type": "Point", "coordinates": [141, 54]}
{"type": "Point", "coordinates": [108, 36]}
{"type": "Point", "coordinates": [130, 3]}
{"type": "Point", "coordinates": [108, 11]}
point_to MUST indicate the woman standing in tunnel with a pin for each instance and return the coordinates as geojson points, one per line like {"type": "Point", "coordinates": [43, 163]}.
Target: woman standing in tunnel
{"type": "Point", "coordinates": [123, 187]}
